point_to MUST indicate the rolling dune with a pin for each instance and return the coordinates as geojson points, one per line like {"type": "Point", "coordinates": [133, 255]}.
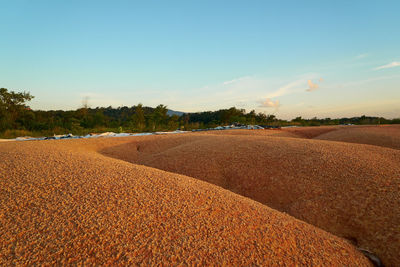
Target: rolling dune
{"type": "Point", "coordinates": [383, 135]}
{"type": "Point", "coordinates": [75, 201]}
{"type": "Point", "coordinates": [378, 135]}
{"type": "Point", "coordinates": [63, 203]}
{"type": "Point", "coordinates": [351, 190]}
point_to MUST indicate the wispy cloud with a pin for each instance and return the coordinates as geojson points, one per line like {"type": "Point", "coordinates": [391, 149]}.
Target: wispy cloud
{"type": "Point", "coordinates": [388, 66]}
{"type": "Point", "coordinates": [268, 103]}
{"type": "Point", "coordinates": [287, 89]}
{"type": "Point", "coordinates": [235, 80]}
{"type": "Point", "coordinates": [250, 91]}
{"type": "Point", "coordinates": [361, 56]}
{"type": "Point", "coordinates": [313, 86]}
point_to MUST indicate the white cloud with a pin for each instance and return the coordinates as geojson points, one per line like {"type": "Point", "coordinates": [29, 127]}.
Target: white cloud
{"type": "Point", "coordinates": [268, 103]}
{"type": "Point", "coordinates": [312, 86]}
{"type": "Point", "coordinates": [390, 65]}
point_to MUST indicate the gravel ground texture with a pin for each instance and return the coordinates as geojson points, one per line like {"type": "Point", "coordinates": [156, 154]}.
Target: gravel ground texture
{"type": "Point", "coordinates": [351, 190]}
{"type": "Point", "coordinates": [384, 135]}
{"type": "Point", "coordinates": [76, 202]}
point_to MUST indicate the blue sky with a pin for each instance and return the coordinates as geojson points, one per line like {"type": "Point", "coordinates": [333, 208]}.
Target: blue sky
{"type": "Point", "coordinates": [288, 58]}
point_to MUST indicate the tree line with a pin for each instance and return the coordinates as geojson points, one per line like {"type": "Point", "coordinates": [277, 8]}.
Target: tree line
{"type": "Point", "coordinates": [16, 118]}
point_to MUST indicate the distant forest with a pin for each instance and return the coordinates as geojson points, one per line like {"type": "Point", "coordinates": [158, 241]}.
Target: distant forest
{"type": "Point", "coordinates": [17, 119]}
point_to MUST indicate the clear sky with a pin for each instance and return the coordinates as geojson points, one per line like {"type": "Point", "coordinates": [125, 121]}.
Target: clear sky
{"type": "Point", "coordinates": [288, 58]}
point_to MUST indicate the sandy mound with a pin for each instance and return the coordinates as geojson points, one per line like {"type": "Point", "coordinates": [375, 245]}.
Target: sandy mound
{"type": "Point", "coordinates": [62, 203]}
{"type": "Point", "coordinates": [378, 135]}
{"type": "Point", "coordinates": [309, 132]}
{"type": "Point", "coordinates": [384, 135]}
{"type": "Point", "coordinates": [350, 190]}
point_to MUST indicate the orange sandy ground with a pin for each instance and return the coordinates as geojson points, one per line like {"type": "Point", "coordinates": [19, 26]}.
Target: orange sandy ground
{"type": "Point", "coordinates": [75, 201]}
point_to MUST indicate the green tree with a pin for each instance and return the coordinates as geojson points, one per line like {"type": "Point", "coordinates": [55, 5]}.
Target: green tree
{"type": "Point", "coordinates": [298, 120]}
{"type": "Point", "coordinates": [271, 118]}
{"type": "Point", "coordinates": [12, 106]}
{"type": "Point", "coordinates": [139, 121]}
{"type": "Point", "coordinates": [173, 122]}
{"type": "Point", "coordinates": [160, 116]}
{"type": "Point", "coordinates": [251, 117]}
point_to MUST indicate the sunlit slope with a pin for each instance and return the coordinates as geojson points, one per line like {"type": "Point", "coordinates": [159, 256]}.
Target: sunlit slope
{"type": "Point", "coordinates": [385, 135]}
{"type": "Point", "coordinates": [63, 203]}
{"type": "Point", "coordinates": [351, 190]}
{"type": "Point", "coordinates": [378, 135]}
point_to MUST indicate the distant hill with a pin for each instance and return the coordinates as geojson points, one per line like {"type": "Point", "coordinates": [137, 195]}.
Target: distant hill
{"type": "Point", "coordinates": [173, 112]}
